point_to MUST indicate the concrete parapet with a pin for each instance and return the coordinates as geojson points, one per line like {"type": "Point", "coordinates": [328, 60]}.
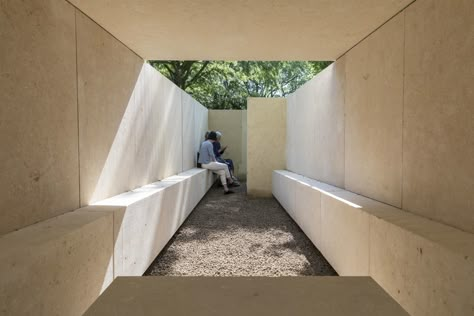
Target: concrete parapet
{"type": "Point", "coordinates": [147, 218]}
{"type": "Point", "coordinates": [58, 266]}
{"type": "Point", "coordinates": [426, 266]}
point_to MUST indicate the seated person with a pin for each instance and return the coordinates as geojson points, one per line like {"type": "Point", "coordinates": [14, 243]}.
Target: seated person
{"type": "Point", "coordinates": [218, 151]}
{"type": "Point", "coordinates": [208, 161]}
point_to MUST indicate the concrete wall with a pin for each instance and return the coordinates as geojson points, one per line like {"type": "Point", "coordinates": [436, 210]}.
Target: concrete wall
{"type": "Point", "coordinates": [315, 120]}
{"type": "Point", "coordinates": [425, 266]}
{"type": "Point", "coordinates": [82, 117]}
{"type": "Point", "coordinates": [266, 130]}
{"type": "Point", "coordinates": [38, 112]}
{"type": "Point", "coordinates": [61, 265]}
{"type": "Point", "coordinates": [397, 111]}
{"type": "Point", "coordinates": [233, 126]}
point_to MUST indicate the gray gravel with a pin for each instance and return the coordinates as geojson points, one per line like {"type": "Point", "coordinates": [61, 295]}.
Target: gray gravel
{"type": "Point", "coordinates": [231, 235]}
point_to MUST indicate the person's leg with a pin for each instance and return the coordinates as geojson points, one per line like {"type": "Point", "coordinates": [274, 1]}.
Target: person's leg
{"type": "Point", "coordinates": [222, 170]}
{"type": "Point", "coordinates": [231, 164]}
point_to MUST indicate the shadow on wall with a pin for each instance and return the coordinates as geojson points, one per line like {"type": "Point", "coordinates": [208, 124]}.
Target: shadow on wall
{"type": "Point", "coordinates": [148, 144]}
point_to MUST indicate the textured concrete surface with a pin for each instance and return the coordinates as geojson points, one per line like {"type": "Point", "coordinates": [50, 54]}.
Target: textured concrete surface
{"type": "Point", "coordinates": [231, 235]}
{"type": "Point", "coordinates": [108, 73]}
{"type": "Point", "coordinates": [56, 267]}
{"type": "Point", "coordinates": [426, 275]}
{"type": "Point", "coordinates": [146, 218]}
{"type": "Point", "coordinates": [232, 125]}
{"type": "Point", "coordinates": [438, 134]}
{"type": "Point", "coordinates": [245, 296]}
{"type": "Point", "coordinates": [38, 112]}
{"type": "Point", "coordinates": [315, 127]}
{"type": "Point", "coordinates": [374, 108]}
{"type": "Point", "coordinates": [266, 138]}
{"type": "Point", "coordinates": [345, 234]}
{"type": "Point", "coordinates": [425, 266]}
{"type": "Point", "coordinates": [133, 130]}
{"type": "Point", "coordinates": [241, 30]}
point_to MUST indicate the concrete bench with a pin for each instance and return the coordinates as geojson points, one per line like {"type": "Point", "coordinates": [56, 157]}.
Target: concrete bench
{"type": "Point", "coordinates": [145, 219]}
{"type": "Point", "coordinates": [61, 265]}
{"type": "Point", "coordinates": [58, 266]}
{"type": "Point", "coordinates": [426, 266]}
{"type": "Point", "coordinates": [249, 296]}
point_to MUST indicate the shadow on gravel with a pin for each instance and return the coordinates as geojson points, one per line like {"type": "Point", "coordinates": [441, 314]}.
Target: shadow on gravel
{"type": "Point", "coordinates": [233, 235]}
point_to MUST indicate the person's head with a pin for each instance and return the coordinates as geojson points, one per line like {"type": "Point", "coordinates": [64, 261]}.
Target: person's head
{"type": "Point", "coordinates": [219, 135]}
{"type": "Point", "coordinates": [206, 136]}
{"type": "Point", "coordinates": [212, 136]}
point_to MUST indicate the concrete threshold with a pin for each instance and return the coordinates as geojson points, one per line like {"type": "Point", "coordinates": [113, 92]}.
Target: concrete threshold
{"type": "Point", "coordinates": [249, 296]}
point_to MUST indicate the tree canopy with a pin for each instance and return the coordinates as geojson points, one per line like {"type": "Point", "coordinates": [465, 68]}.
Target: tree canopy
{"type": "Point", "coordinates": [226, 85]}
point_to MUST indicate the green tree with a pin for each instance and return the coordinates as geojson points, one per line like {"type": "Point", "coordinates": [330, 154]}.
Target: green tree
{"type": "Point", "coordinates": [227, 85]}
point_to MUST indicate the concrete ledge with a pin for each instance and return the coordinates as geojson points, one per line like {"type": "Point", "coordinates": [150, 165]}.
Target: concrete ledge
{"type": "Point", "coordinates": [58, 266]}
{"type": "Point", "coordinates": [426, 266]}
{"type": "Point", "coordinates": [146, 218]}
{"type": "Point", "coordinates": [249, 296]}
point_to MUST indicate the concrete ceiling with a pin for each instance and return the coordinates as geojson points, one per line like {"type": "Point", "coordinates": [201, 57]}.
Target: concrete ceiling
{"type": "Point", "coordinates": [240, 29]}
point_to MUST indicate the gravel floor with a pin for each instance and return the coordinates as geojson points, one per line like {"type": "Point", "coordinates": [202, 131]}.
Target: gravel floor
{"type": "Point", "coordinates": [231, 235]}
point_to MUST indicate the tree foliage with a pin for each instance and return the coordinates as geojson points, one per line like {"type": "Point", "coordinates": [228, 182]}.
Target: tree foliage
{"type": "Point", "coordinates": [226, 85]}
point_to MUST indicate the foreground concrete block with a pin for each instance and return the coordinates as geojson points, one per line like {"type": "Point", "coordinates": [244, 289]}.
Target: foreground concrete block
{"type": "Point", "coordinates": [427, 267]}
{"type": "Point", "coordinates": [39, 177]}
{"type": "Point", "coordinates": [57, 267]}
{"type": "Point", "coordinates": [345, 234]}
{"type": "Point", "coordinates": [438, 133]}
{"type": "Point", "coordinates": [245, 296]}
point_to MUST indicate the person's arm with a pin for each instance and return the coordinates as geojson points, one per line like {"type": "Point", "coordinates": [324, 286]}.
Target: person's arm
{"type": "Point", "coordinates": [210, 150]}
{"type": "Point", "coordinates": [222, 150]}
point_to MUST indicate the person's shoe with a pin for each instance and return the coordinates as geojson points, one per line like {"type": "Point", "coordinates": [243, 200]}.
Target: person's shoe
{"type": "Point", "coordinates": [228, 192]}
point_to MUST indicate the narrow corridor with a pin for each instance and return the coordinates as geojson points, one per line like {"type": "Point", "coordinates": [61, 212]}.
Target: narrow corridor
{"type": "Point", "coordinates": [232, 235]}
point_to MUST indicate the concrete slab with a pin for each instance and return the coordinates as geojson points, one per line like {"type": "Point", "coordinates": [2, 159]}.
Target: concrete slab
{"type": "Point", "coordinates": [313, 30]}
{"type": "Point", "coordinates": [329, 140]}
{"type": "Point", "coordinates": [308, 211]}
{"type": "Point", "coordinates": [284, 191]}
{"type": "Point", "coordinates": [316, 126]}
{"type": "Point", "coordinates": [189, 131]}
{"type": "Point", "coordinates": [39, 177]}
{"type": "Point", "coordinates": [245, 296]}
{"type": "Point", "coordinates": [201, 126]}
{"type": "Point", "coordinates": [58, 266]}
{"type": "Point", "coordinates": [344, 234]}
{"type": "Point", "coordinates": [438, 134]}
{"type": "Point", "coordinates": [265, 143]}
{"type": "Point", "coordinates": [146, 218]}
{"type": "Point", "coordinates": [291, 139]}
{"type": "Point", "coordinates": [305, 129]}
{"type": "Point", "coordinates": [425, 265]}
{"type": "Point", "coordinates": [425, 277]}
{"type": "Point", "coordinates": [374, 106]}
{"type": "Point", "coordinates": [106, 120]}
